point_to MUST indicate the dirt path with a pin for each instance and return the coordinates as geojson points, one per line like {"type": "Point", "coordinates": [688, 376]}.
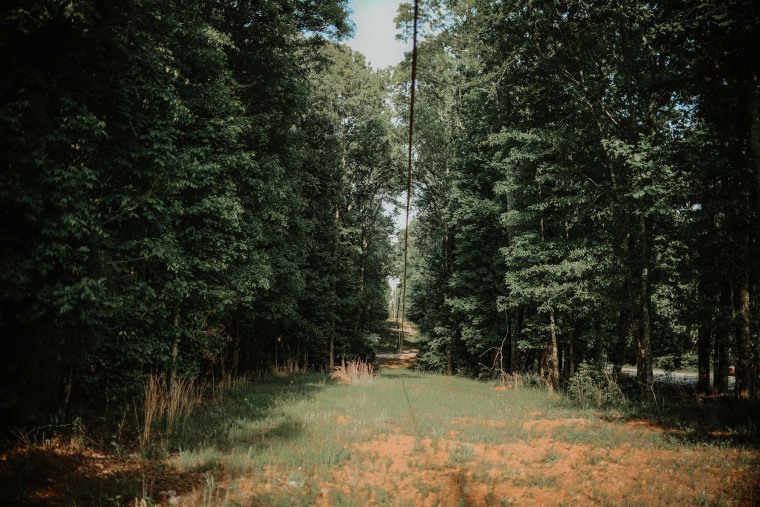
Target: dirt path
{"type": "Point", "coordinates": [407, 359]}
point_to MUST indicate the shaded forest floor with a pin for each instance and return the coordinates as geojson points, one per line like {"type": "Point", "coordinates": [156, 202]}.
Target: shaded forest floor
{"type": "Point", "coordinates": [406, 438]}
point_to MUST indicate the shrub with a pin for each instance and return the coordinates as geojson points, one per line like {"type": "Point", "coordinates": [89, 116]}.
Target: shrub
{"type": "Point", "coordinates": [667, 363]}
{"type": "Point", "coordinates": [594, 386]}
{"type": "Point", "coordinates": [687, 361]}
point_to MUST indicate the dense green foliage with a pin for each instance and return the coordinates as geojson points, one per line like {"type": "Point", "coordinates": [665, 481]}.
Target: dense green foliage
{"type": "Point", "coordinates": [181, 192]}
{"type": "Point", "coordinates": [588, 180]}
{"type": "Point", "coordinates": [198, 189]}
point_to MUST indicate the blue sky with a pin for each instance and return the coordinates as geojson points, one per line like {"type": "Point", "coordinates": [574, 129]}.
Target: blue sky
{"type": "Point", "coordinates": [375, 37]}
{"type": "Point", "coordinates": [375, 31]}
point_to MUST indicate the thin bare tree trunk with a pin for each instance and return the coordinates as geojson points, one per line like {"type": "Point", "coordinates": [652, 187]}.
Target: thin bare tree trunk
{"type": "Point", "coordinates": [550, 360]}
{"type": "Point", "coordinates": [514, 335]}
{"type": "Point", "coordinates": [175, 349]}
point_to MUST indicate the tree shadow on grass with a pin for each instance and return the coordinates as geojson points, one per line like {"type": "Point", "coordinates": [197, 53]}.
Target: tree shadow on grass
{"type": "Point", "coordinates": [58, 473]}
{"type": "Point", "coordinates": [250, 415]}
{"type": "Point", "coordinates": [676, 408]}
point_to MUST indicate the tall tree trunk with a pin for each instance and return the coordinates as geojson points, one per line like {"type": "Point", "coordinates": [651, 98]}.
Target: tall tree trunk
{"type": "Point", "coordinates": [704, 335]}
{"type": "Point", "coordinates": [362, 275]}
{"type": "Point", "coordinates": [745, 387]}
{"type": "Point", "coordinates": [331, 351]}
{"type": "Point", "coordinates": [722, 333]}
{"type": "Point", "coordinates": [644, 334]}
{"type": "Point", "coordinates": [570, 356]}
{"type": "Point", "coordinates": [753, 110]}
{"type": "Point", "coordinates": [623, 329]}
{"type": "Point", "coordinates": [550, 359]}
{"type": "Point", "coordinates": [333, 310]}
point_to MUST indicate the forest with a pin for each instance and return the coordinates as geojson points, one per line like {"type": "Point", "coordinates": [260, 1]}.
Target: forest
{"type": "Point", "coordinates": [199, 190]}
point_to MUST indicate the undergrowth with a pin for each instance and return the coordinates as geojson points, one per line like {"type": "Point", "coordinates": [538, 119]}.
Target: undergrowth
{"type": "Point", "coordinates": [592, 386]}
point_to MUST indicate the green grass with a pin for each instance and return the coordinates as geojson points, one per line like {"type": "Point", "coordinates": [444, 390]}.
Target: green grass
{"type": "Point", "coordinates": [287, 438]}
{"type": "Point", "coordinates": [388, 332]}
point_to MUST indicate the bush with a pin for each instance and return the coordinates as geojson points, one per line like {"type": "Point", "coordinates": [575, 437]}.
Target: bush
{"type": "Point", "coordinates": [594, 386]}
{"type": "Point", "coordinates": [686, 361]}
{"type": "Point", "coordinates": [667, 363]}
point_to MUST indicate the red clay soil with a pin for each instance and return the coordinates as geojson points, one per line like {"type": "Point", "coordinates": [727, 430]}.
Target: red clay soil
{"type": "Point", "coordinates": [540, 470]}
{"type": "Point", "coordinates": [397, 469]}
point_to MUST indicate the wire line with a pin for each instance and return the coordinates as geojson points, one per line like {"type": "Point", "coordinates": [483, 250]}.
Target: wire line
{"type": "Point", "coordinates": [408, 202]}
{"type": "Point", "coordinates": [409, 170]}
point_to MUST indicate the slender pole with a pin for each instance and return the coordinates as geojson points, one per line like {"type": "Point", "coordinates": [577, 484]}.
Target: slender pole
{"type": "Point", "coordinates": [409, 170]}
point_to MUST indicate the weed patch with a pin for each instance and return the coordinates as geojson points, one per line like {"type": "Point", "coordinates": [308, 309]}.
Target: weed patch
{"type": "Point", "coordinates": [353, 372]}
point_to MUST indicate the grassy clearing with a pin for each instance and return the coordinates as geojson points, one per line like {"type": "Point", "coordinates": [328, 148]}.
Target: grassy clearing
{"type": "Point", "coordinates": [413, 438]}
{"type": "Point", "coordinates": [303, 440]}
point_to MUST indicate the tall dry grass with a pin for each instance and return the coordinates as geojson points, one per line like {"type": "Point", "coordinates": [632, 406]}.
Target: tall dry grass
{"type": "Point", "coordinates": [167, 403]}
{"type": "Point", "coordinates": [289, 367]}
{"type": "Point", "coordinates": [228, 385]}
{"type": "Point", "coordinates": [353, 372]}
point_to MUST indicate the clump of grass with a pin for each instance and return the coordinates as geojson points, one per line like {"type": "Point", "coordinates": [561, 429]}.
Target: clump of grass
{"type": "Point", "coordinates": [535, 480]}
{"type": "Point", "coordinates": [167, 403]}
{"type": "Point", "coordinates": [228, 385]}
{"type": "Point", "coordinates": [353, 372]}
{"type": "Point", "coordinates": [201, 460]}
{"type": "Point", "coordinates": [461, 453]}
{"type": "Point", "coordinates": [550, 457]}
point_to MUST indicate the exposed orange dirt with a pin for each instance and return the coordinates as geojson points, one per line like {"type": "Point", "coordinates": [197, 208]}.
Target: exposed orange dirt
{"type": "Point", "coordinates": [542, 469]}
{"type": "Point", "coordinates": [541, 462]}
{"type": "Point", "coordinates": [398, 469]}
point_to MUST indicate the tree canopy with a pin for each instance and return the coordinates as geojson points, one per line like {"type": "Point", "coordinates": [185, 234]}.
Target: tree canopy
{"type": "Point", "coordinates": [587, 185]}
{"type": "Point", "coordinates": [199, 189]}
{"type": "Point", "coordinates": [185, 191]}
